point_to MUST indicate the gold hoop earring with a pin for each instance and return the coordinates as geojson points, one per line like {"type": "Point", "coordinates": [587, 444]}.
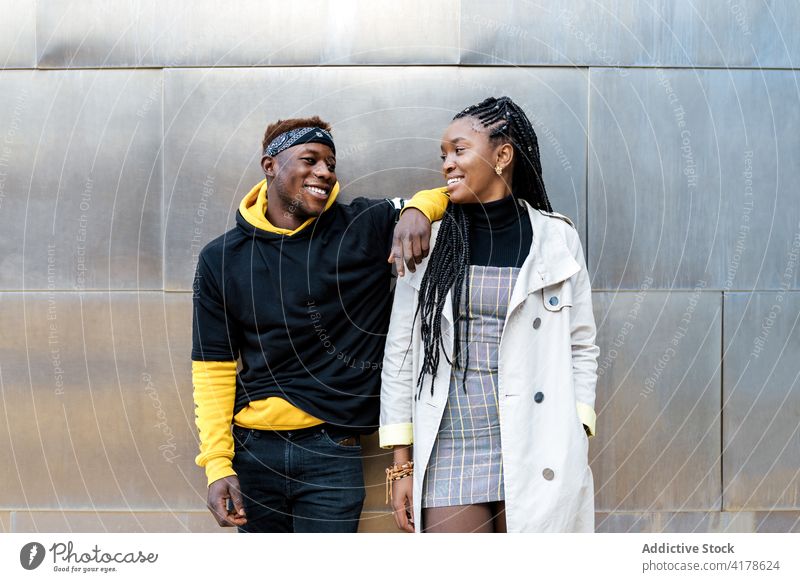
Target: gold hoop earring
{"type": "Point", "coordinates": [498, 170]}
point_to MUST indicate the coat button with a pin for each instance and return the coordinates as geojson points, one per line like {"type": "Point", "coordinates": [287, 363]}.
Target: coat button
{"type": "Point", "coordinates": [538, 397]}
{"type": "Point", "coordinates": [537, 322]}
{"type": "Point", "coordinates": [554, 301]}
{"type": "Point", "coordinates": [548, 474]}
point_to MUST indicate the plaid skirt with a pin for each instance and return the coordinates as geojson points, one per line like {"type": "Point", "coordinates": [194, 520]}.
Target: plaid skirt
{"type": "Point", "coordinates": [466, 464]}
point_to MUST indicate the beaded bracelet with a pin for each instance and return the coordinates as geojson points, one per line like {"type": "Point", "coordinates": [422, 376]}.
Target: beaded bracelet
{"type": "Point", "coordinates": [396, 472]}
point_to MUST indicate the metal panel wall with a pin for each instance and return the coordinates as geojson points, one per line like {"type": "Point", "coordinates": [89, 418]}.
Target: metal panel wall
{"type": "Point", "coordinates": [748, 33]}
{"type": "Point", "coordinates": [387, 122]}
{"type": "Point", "coordinates": [614, 33]}
{"type": "Point", "coordinates": [761, 395]}
{"type": "Point", "coordinates": [658, 401]}
{"type": "Point", "coordinates": [148, 33]}
{"type": "Point", "coordinates": [115, 522]}
{"type": "Point", "coordinates": [111, 181]}
{"type": "Point", "coordinates": [17, 34]}
{"type": "Point", "coordinates": [700, 522]}
{"type": "Point", "coordinates": [103, 418]}
{"type": "Point", "coordinates": [692, 178]}
{"type": "Point", "coordinates": [81, 183]}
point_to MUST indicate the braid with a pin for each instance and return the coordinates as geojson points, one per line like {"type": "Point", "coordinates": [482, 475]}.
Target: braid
{"type": "Point", "coordinates": [507, 121]}
{"type": "Point", "coordinates": [459, 361]}
{"type": "Point", "coordinates": [449, 261]}
{"type": "Point", "coordinates": [446, 270]}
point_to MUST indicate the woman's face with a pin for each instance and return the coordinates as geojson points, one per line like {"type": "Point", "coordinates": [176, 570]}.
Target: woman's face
{"type": "Point", "coordinates": [469, 160]}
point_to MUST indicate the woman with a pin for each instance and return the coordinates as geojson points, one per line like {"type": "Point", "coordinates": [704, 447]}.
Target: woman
{"type": "Point", "coordinates": [490, 361]}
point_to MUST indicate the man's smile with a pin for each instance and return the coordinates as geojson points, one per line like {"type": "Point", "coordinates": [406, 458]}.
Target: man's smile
{"type": "Point", "coordinates": [317, 191]}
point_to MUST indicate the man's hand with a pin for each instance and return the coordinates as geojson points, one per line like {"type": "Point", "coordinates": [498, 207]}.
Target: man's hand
{"type": "Point", "coordinates": [219, 492]}
{"type": "Point", "coordinates": [403, 503]}
{"type": "Point", "coordinates": [411, 241]}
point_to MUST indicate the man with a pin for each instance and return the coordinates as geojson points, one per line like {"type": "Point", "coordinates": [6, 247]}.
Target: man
{"type": "Point", "coordinates": [297, 297]}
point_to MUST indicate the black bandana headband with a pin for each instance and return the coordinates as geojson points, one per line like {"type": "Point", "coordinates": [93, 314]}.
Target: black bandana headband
{"type": "Point", "coordinates": [299, 136]}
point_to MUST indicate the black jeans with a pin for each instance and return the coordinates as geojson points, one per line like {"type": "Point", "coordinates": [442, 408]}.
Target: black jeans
{"type": "Point", "coordinates": [299, 481]}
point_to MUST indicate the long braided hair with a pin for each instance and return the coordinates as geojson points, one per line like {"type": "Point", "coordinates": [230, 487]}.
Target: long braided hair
{"type": "Point", "coordinates": [447, 267]}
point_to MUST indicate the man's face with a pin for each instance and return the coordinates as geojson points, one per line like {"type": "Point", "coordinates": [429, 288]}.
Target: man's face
{"type": "Point", "coordinates": [301, 178]}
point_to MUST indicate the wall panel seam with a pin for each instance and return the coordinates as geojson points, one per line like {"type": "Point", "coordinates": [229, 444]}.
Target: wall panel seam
{"type": "Point", "coordinates": [722, 404]}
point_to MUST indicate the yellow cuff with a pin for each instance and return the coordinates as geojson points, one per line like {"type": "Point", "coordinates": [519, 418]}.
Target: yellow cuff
{"type": "Point", "coordinates": [396, 434]}
{"type": "Point", "coordinates": [431, 203]}
{"type": "Point", "coordinates": [217, 468]}
{"type": "Point", "coordinates": [588, 417]}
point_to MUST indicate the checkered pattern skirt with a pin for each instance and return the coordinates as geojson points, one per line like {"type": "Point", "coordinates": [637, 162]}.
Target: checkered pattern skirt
{"type": "Point", "coordinates": [466, 464]}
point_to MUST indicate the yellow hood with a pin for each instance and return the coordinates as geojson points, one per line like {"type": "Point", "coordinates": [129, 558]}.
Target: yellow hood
{"type": "Point", "coordinates": [254, 209]}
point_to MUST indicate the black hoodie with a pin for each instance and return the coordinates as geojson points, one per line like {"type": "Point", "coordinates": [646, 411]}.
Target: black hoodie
{"type": "Point", "coordinates": [306, 314]}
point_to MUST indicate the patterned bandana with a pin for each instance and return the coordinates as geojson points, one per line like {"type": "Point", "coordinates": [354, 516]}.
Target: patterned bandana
{"type": "Point", "coordinates": [299, 136]}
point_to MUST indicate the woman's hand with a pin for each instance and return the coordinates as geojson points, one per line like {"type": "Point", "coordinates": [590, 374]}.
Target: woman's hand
{"type": "Point", "coordinates": [411, 241]}
{"type": "Point", "coordinates": [403, 503]}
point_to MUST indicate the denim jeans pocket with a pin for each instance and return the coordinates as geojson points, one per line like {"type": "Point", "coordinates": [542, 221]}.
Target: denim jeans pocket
{"type": "Point", "coordinates": [343, 442]}
{"type": "Point", "coordinates": [241, 437]}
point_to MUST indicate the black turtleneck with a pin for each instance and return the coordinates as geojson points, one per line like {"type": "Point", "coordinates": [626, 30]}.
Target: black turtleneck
{"type": "Point", "coordinates": [500, 233]}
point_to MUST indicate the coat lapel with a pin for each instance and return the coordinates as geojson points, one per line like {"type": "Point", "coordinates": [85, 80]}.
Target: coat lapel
{"type": "Point", "coordinates": [548, 262]}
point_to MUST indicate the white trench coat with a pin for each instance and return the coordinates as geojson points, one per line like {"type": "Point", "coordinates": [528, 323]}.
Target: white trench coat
{"type": "Point", "coordinates": [548, 347]}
